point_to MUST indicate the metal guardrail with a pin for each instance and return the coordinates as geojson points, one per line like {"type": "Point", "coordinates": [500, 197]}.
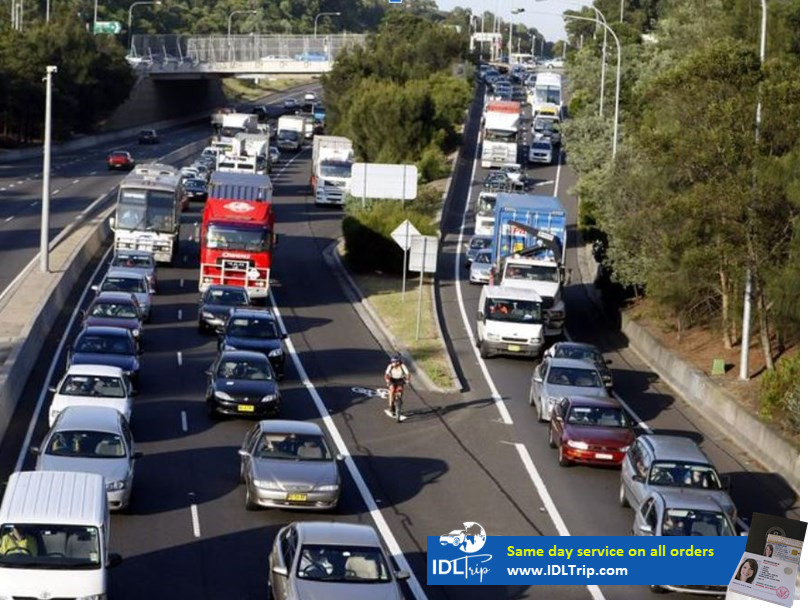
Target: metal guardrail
{"type": "Point", "coordinates": [239, 54]}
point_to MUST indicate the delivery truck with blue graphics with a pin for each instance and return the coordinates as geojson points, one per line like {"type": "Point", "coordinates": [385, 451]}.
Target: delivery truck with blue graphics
{"type": "Point", "coordinates": [529, 242]}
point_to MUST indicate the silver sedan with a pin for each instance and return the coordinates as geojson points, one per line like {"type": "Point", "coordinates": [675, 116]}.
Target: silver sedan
{"type": "Point", "coordinates": [288, 464]}
{"type": "Point", "coordinates": [481, 267]}
{"type": "Point", "coordinates": [558, 378]}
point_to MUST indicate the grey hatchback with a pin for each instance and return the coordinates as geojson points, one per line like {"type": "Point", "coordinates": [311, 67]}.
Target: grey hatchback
{"type": "Point", "coordinates": [656, 462]}
{"type": "Point", "coordinates": [557, 378]}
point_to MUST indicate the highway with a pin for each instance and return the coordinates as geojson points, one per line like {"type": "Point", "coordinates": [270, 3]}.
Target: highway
{"type": "Point", "coordinates": [187, 534]}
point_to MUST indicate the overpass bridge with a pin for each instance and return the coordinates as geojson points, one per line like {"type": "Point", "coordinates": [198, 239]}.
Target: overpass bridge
{"type": "Point", "coordinates": [173, 57]}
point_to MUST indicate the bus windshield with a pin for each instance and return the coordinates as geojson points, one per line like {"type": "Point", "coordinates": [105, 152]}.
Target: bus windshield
{"type": "Point", "coordinates": [146, 210]}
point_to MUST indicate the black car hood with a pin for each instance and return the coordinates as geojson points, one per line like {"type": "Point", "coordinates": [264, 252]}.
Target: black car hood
{"type": "Point", "coordinates": [247, 389]}
{"type": "Point", "coordinates": [253, 345]}
{"type": "Point", "coordinates": [123, 361]}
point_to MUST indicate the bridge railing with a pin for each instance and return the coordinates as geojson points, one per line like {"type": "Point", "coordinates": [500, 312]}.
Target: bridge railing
{"type": "Point", "coordinates": [243, 48]}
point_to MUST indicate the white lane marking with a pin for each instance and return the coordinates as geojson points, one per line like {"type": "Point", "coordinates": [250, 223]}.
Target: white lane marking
{"type": "Point", "coordinates": [552, 511]}
{"type": "Point", "coordinates": [10, 218]}
{"type": "Point", "coordinates": [365, 493]}
{"type": "Point", "coordinates": [2, 188]}
{"type": "Point", "coordinates": [195, 521]}
{"type": "Point", "coordinates": [179, 358]}
{"type": "Point", "coordinates": [181, 282]}
{"type": "Point", "coordinates": [557, 177]}
{"type": "Point", "coordinates": [183, 421]}
{"type": "Point", "coordinates": [37, 410]}
{"type": "Point", "coordinates": [20, 181]}
{"type": "Point", "coordinates": [54, 192]}
{"type": "Point", "coordinates": [76, 181]}
{"type": "Point", "coordinates": [93, 173]}
{"type": "Point", "coordinates": [179, 314]}
{"type": "Point", "coordinates": [32, 204]}
{"type": "Point", "coordinates": [502, 410]}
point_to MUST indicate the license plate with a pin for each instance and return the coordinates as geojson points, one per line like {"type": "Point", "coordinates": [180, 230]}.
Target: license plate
{"type": "Point", "coordinates": [245, 408]}
{"type": "Point", "coordinates": [603, 456]}
{"type": "Point", "coordinates": [513, 348]}
{"type": "Point", "coordinates": [296, 497]}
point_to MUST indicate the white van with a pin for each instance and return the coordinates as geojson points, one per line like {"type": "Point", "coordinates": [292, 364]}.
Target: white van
{"type": "Point", "coordinates": [54, 536]}
{"type": "Point", "coordinates": [510, 321]}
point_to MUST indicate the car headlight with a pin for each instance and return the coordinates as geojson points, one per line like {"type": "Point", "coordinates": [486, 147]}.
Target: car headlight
{"type": "Point", "coordinates": [331, 487]}
{"type": "Point", "coordinates": [115, 485]}
{"type": "Point", "coordinates": [578, 445]}
{"type": "Point", "coordinates": [535, 341]}
{"type": "Point", "coordinates": [270, 398]}
{"type": "Point", "coordinates": [266, 484]}
{"type": "Point", "coordinates": [136, 333]}
{"type": "Point", "coordinates": [275, 353]}
{"type": "Point", "coordinates": [222, 395]}
{"type": "Point", "coordinates": [208, 315]}
{"type": "Point", "coordinates": [624, 449]}
{"type": "Point", "coordinates": [493, 337]}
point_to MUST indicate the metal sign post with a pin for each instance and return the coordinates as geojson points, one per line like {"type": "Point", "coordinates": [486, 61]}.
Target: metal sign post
{"type": "Point", "coordinates": [424, 255]}
{"type": "Point", "coordinates": [403, 235]}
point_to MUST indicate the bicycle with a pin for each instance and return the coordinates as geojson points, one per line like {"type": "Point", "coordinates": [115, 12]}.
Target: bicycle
{"type": "Point", "coordinates": [398, 389]}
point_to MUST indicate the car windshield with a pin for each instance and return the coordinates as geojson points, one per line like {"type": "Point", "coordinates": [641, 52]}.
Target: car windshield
{"type": "Point", "coordinates": [476, 243]}
{"type": "Point", "coordinates": [132, 260]}
{"type": "Point", "coordinates": [509, 310]}
{"type": "Point", "coordinates": [85, 444]}
{"type": "Point", "coordinates": [342, 564]}
{"type": "Point", "coordinates": [254, 370]}
{"type": "Point", "coordinates": [683, 522]}
{"type": "Point", "coordinates": [124, 284]}
{"type": "Point", "coordinates": [681, 474]}
{"type": "Point", "coordinates": [195, 183]}
{"type": "Point", "coordinates": [583, 378]}
{"type": "Point", "coordinates": [607, 417]}
{"type": "Point", "coordinates": [483, 257]}
{"type": "Point", "coordinates": [281, 446]}
{"type": "Point", "coordinates": [221, 296]}
{"type": "Point", "coordinates": [113, 310]}
{"type": "Point", "coordinates": [93, 344]}
{"type": "Point", "coordinates": [62, 547]}
{"type": "Point", "coordinates": [578, 352]}
{"type": "Point", "coordinates": [255, 328]}
{"type": "Point", "coordinates": [96, 386]}
{"type": "Point", "coordinates": [119, 153]}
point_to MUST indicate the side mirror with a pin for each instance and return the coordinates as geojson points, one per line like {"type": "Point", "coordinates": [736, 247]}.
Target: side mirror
{"type": "Point", "coordinates": [34, 450]}
{"type": "Point", "coordinates": [52, 389]}
{"type": "Point", "coordinates": [94, 288]}
{"type": "Point", "coordinates": [537, 379]}
{"type": "Point", "coordinates": [402, 575]}
{"type": "Point", "coordinates": [340, 457]}
{"type": "Point", "coordinates": [646, 528]}
{"type": "Point", "coordinates": [114, 560]}
{"type": "Point", "coordinates": [112, 222]}
{"type": "Point", "coordinates": [152, 290]}
{"type": "Point", "coordinates": [280, 570]}
{"type": "Point", "coordinates": [244, 453]}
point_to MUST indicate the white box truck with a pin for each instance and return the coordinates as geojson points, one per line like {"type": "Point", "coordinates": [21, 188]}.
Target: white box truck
{"type": "Point", "coordinates": [332, 158]}
{"type": "Point", "coordinates": [290, 134]}
{"type": "Point", "coordinates": [239, 122]}
{"type": "Point", "coordinates": [54, 536]}
{"type": "Point", "coordinates": [501, 130]}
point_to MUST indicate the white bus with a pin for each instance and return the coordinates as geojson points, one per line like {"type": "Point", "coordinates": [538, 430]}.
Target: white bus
{"type": "Point", "coordinates": [547, 90]}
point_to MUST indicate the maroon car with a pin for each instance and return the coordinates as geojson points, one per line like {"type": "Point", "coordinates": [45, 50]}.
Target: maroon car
{"type": "Point", "coordinates": [590, 431]}
{"type": "Point", "coordinates": [118, 309]}
{"type": "Point", "coordinates": [120, 159]}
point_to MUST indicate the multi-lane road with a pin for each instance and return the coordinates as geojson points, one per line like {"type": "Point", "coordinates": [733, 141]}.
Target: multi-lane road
{"type": "Point", "coordinates": [459, 457]}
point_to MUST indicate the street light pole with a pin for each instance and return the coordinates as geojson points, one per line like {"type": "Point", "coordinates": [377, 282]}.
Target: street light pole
{"type": "Point", "coordinates": [748, 297]}
{"type": "Point", "coordinates": [129, 22]}
{"type": "Point", "coordinates": [46, 174]}
{"type": "Point", "coordinates": [316, 20]}
{"type": "Point", "coordinates": [230, 21]}
{"type": "Point", "coordinates": [514, 11]}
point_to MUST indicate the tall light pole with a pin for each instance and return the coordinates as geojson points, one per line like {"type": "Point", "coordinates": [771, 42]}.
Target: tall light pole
{"type": "Point", "coordinates": [321, 15]}
{"type": "Point", "coordinates": [46, 174]}
{"type": "Point", "coordinates": [515, 11]}
{"type": "Point", "coordinates": [230, 21]}
{"type": "Point", "coordinates": [129, 22]}
{"type": "Point", "coordinates": [748, 297]}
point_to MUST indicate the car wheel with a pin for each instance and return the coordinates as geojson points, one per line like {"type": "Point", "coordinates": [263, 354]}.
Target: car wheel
{"type": "Point", "coordinates": [456, 541]}
{"type": "Point", "coordinates": [623, 495]}
{"type": "Point", "coordinates": [551, 442]}
{"type": "Point", "coordinates": [485, 353]}
{"type": "Point", "coordinates": [249, 503]}
{"type": "Point", "coordinates": [561, 459]}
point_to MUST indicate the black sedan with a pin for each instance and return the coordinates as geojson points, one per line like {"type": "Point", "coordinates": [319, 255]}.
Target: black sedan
{"type": "Point", "coordinates": [195, 189]}
{"type": "Point", "coordinates": [107, 346]}
{"type": "Point", "coordinates": [216, 304]}
{"type": "Point", "coordinates": [242, 383]}
{"type": "Point", "coordinates": [255, 330]}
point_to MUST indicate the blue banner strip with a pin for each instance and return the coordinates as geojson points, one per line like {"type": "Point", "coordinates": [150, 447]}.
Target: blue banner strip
{"type": "Point", "coordinates": [584, 560]}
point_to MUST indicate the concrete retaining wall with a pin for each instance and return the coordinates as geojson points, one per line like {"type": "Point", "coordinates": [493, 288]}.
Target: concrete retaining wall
{"type": "Point", "coordinates": [698, 390]}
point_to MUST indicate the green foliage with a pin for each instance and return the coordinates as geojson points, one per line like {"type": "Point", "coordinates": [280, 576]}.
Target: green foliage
{"type": "Point", "coordinates": [367, 229]}
{"type": "Point", "coordinates": [780, 393]}
{"type": "Point", "coordinates": [433, 164]}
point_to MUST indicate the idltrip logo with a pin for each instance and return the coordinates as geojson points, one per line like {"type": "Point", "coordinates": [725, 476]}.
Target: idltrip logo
{"type": "Point", "coordinates": [468, 540]}
{"type": "Point", "coordinates": [394, 1]}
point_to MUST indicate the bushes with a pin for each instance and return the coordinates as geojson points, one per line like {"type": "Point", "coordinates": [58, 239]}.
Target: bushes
{"type": "Point", "coordinates": [780, 394]}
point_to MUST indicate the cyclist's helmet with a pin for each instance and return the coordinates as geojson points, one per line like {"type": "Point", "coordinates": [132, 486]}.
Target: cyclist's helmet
{"type": "Point", "coordinates": [396, 359]}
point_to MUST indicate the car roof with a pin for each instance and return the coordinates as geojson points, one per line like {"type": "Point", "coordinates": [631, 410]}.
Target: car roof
{"type": "Point", "coordinates": [681, 498]}
{"type": "Point", "coordinates": [290, 426]}
{"type": "Point", "coordinates": [95, 369]}
{"type": "Point", "coordinates": [572, 363]}
{"type": "Point", "coordinates": [349, 534]}
{"type": "Point", "coordinates": [243, 312]}
{"type": "Point", "coordinates": [225, 287]}
{"type": "Point", "coordinates": [139, 253]}
{"type": "Point", "coordinates": [122, 272]}
{"type": "Point", "coordinates": [594, 401]}
{"type": "Point", "coordinates": [105, 330]}
{"type": "Point", "coordinates": [243, 354]}
{"type": "Point", "coordinates": [101, 419]}
{"type": "Point", "coordinates": [675, 448]}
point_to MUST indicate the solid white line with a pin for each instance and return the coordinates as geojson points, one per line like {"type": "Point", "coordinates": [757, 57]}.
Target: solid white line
{"type": "Point", "coordinates": [20, 181]}
{"type": "Point", "coordinates": [195, 521]}
{"type": "Point", "coordinates": [551, 509]}
{"type": "Point", "coordinates": [76, 181]}
{"type": "Point", "coordinates": [179, 314]}
{"type": "Point", "coordinates": [365, 493]}
{"type": "Point", "coordinates": [54, 192]}
{"type": "Point", "coordinates": [502, 410]}
{"type": "Point", "coordinates": [31, 205]}
{"type": "Point", "coordinates": [179, 358]}
{"type": "Point", "coordinates": [52, 368]}
{"type": "Point", "coordinates": [557, 177]}
{"type": "Point", "coordinates": [181, 282]}
{"type": "Point", "coordinates": [183, 421]}
{"type": "Point", "coordinates": [10, 218]}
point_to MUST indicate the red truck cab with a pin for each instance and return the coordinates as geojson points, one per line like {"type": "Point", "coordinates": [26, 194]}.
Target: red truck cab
{"type": "Point", "coordinates": [237, 234]}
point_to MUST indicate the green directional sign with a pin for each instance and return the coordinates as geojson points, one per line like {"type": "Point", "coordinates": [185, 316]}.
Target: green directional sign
{"type": "Point", "coordinates": [107, 27]}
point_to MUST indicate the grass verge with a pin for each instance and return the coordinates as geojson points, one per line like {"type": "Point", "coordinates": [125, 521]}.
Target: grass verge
{"type": "Point", "coordinates": [249, 90]}
{"type": "Point", "coordinates": [384, 294]}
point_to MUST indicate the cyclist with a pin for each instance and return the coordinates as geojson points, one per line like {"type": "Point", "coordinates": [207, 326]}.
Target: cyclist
{"type": "Point", "coordinates": [396, 376]}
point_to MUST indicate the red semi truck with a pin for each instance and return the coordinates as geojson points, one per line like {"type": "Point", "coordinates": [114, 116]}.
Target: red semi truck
{"type": "Point", "coordinates": [236, 237]}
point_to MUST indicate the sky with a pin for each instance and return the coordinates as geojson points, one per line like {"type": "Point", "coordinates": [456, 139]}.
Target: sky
{"type": "Point", "coordinates": [550, 25]}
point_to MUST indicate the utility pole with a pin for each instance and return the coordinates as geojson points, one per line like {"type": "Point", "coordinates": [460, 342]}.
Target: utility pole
{"type": "Point", "coordinates": [46, 175]}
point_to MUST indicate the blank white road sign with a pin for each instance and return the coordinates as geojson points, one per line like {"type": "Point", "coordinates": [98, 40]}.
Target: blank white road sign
{"type": "Point", "coordinates": [424, 250]}
{"type": "Point", "coordinates": [383, 181]}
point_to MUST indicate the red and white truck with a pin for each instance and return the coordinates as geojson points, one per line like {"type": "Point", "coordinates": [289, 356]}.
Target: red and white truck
{"type": "Point", "coordinates": [501, 131]}
{"type": "Point", "coordinates": [237, 233]}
